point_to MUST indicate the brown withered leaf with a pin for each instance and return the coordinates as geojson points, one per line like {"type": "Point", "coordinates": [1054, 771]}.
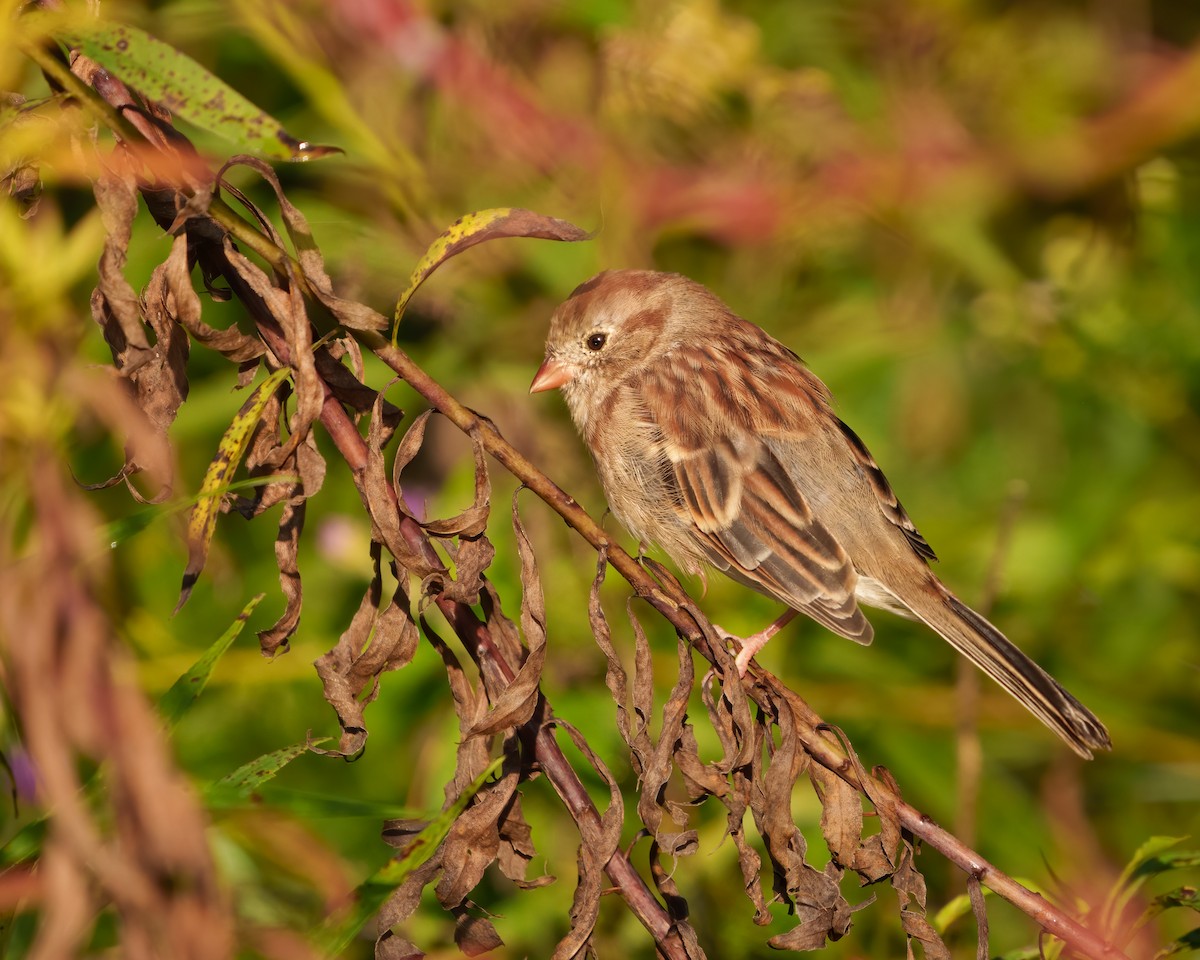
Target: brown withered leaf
{"type": "Point", "coordinates": [381, 498]}
{"type": "Point", "coordinates": [287, 549]}
{"type": "Point", "coordinates": [640, 746]}
{"type": "Point", "coordinates": [652, 803]}
{"type": "Point", "coordinates": [841, 814]}
{"type": "Point", "coordinates": [374, 643]}
{"type": "Point", "coordinates": [615, 677]}
{"type": "Point", "coordinates": [873, 858]}
{"type": "Point", "coordinates": [737, 802]}
{"type": "Point", "coordinates": [348, 313]}
{"type": "Point", "coordinates": [471, 556]}
{"type": "Point", "coordinates": [156, 374]}
{"type": "Point", "coordinates": [596, 847]}
{"type": "Point", "coordinates": [516, 848]}
{"type": "Point", "coordinates": [392, 947]}
{"type": "Point", "coordinates": [470, 704]}
{"type": "Point", "coordinates": [473, 842]}
{"type": "Point", "coordinates": [310, 392]}
{"type": "Point", "coordinates": [700, 779]}
{"type": "Point", "coordinates": [474, 935]}
{"type": "Point", "coordinates": [516, 704]}
{"type": "Point", "coordinates": [161, 382]}
{"type": "Point", "coordinates": [470, 522]}
{"type": "Point", "coordinates": [910, 888]}
{"type": "Point", "coordinates": [503, 631]}
{"type": "Point", "coordinates": [231, 343]}
{"type": "Point", "coordinates": [286, 306]}
{"type": "Point", "coordinates": [819, 905]}
{"type": "Point", "coordinates": [399, 906]}
{"type": "Point", "coordinates": [114, 302]}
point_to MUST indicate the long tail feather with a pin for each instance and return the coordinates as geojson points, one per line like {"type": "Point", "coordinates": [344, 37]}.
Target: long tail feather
{"type": "Point", "coordinates": [1003, 661]}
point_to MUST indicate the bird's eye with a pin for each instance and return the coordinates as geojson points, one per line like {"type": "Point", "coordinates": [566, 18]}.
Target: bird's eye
{"type": "Point", "coordinates": [596, 341]}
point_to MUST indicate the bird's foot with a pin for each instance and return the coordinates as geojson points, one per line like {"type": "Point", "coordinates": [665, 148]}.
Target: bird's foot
{"type": "Point", "coordinates": [756, 641]}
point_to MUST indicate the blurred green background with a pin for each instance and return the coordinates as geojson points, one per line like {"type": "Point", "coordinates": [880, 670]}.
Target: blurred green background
{"type": "Point", "coordinates": [979, 223]}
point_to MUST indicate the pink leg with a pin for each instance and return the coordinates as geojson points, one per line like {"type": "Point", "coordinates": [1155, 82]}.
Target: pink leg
{"type": "Point", "coordinates": [755, 642]}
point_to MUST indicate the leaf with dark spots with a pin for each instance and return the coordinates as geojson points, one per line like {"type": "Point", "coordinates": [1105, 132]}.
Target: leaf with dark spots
{"type": "Point", "coordinates": [250, 776]}
{"type": "Point", "coordinates": [203, 518]}
{"type": "Point", "coordinates": [477, 227]}
{"type": "Point", "coordinates": [184, 87]}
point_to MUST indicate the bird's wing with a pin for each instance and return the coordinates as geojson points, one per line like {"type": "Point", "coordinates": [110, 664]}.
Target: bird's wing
{"type": "Point", "coordinates": [750, 519]}
{"type": "Point", "coordinates": [888, 502]}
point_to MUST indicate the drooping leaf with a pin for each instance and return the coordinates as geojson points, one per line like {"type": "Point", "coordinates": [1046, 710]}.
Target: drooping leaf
{"type": "Point", "coordinates": [187, 89]}
{"type": "Point", "coordinates": [184, 691]}
{"type": "Point", "coordinates": [337, 935]}
{"type": "Point", "coordinates": [203, 519]}
{"type": "Point", "coordinates": [477, 227]}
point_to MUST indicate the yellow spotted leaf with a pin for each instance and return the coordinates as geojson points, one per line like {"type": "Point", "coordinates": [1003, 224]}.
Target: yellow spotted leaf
{"type": "Point", "coordinates": [477, 227]}
{"type": "Point", "coordinates": [202, 521]}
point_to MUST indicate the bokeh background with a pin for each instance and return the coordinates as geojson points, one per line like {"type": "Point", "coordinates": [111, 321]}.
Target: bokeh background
{"type": "Point", "coordinates": [979, 223]}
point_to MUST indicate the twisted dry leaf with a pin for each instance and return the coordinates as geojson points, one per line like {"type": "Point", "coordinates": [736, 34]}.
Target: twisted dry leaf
{"type": "Point", "coordinates": [375, 642]}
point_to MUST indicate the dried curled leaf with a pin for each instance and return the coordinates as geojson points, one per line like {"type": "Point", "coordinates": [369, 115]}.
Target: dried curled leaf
{"type": "Point", "coordinates": [156, 374]}
{"type": "Point", "coordinates": [596, 847]}
{"type": "Point", "coordinates": [349, 313]}
{"type": "Point", "coordinates": [516, 703]}
{"type": "Point", "coordinates": [375, 642]}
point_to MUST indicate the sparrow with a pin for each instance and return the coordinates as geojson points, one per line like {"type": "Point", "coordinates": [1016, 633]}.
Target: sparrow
{"type": "Point", "coordinates": [714, 441]}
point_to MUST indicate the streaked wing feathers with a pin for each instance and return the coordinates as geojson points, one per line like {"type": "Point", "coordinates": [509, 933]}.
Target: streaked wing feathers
{"type": "Point", "coordinates": [888, 501]}
{"type": "Point", "coordinates": [755, 526]}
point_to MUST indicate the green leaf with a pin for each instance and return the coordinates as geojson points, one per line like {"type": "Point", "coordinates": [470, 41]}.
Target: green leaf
{"type": "Point", "coordinates": [249, 777]}
{"type": "Point", "coordinates": [186, 88]}
{"type": "Point", "coordinates": [184, 691]}
{"type": "Point", "coordinates": [370, 895]}
{"type": "Point", "coordinates": [1150, 859]}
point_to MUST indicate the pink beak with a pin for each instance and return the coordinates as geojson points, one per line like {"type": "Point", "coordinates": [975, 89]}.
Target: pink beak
{"type": "Point", "coordinates": [551, 375]}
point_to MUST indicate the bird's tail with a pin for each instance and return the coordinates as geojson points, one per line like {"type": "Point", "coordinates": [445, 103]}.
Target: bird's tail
{"type": "Point", "coordinates": [994, 654]}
